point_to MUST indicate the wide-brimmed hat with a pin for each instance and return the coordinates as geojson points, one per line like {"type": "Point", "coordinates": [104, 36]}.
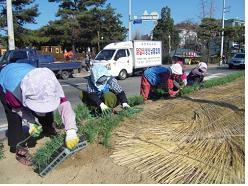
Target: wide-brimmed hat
{"type": "Point", "coordinates": [203, 66]}
{"type": "Point", "coordinates": [181, 63]}
{"type": "Point", "coordinates": [176, 69]}
{"type": "Point", "coordinates": [41, 91]}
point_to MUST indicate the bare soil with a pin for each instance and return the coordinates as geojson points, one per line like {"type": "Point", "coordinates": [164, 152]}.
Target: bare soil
{"type": "Point", "coordinates": [198, 138]}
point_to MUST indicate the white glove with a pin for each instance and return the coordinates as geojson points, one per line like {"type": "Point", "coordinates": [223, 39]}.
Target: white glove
{"type": "Point", "coordinates": [71, 138]}
{"type": "Point", "coordinates": [185, 82]}
{"type": "Point", "coordinates": [125, 105]}
{"type": "Point", "coordinates": [103, 107]}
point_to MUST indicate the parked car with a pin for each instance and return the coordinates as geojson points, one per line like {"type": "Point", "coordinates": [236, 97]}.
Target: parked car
{"type": "Point", "coordinates": [238, 60]}
{"type": "Point", "coordinates": [63, 69]}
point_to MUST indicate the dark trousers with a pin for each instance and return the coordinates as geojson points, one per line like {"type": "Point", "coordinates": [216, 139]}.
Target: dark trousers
{"type": "Point", "coordinates": [109, 98]}
{"type": "Point", "coordinates": [15, 131]}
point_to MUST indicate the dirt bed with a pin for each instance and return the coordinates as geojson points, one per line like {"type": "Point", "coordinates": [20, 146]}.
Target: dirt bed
{"type": "Point", "coordinates": [197, 138]}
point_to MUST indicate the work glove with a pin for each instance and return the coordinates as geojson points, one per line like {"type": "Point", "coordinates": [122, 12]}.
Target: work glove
{"type": "Point", "coordinates": [125, 106]}
{"type": "Point", "coordinates": [71, 139]}
{"type": "Point", "coordinates": [35, 130]}
{"type": "Point", "coordinates": [185, 82]}
{"type": "Point", "coordinates": [105, 109]}
{"type": "Point", "coordinates": [173, 93]}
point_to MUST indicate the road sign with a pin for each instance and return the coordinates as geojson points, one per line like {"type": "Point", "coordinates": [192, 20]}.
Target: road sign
{"type": "Point", "coordinates": [137, 21]}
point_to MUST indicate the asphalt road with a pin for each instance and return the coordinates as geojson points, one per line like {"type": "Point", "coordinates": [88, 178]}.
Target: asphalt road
{"type": "Point", "coordinates": [130, 85]}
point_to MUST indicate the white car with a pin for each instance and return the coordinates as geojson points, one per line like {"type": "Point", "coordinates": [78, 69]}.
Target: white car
{"type": "Point", "coordinates": [238, 60]}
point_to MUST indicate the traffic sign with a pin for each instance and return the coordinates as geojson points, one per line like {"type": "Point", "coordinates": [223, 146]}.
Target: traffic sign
{"type": "Point", "coordinates": [137, 21]}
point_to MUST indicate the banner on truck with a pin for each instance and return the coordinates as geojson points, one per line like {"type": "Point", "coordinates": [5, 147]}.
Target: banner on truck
{"type": "Point", "coordinates": [147, 53]}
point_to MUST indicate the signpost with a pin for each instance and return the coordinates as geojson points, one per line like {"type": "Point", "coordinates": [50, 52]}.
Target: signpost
{"type": "Point", "coordinates": [10, 25]}
{"type": "Point", "coordinates": [154, 16]}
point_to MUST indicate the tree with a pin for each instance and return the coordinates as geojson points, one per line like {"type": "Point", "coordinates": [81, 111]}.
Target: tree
{"type": "Point", "coordinates": [209, 33]}
{"type": "Point", "coordinates": [233, 35]}
{"type": "Point", "coordinates": [84, 23]}
{"type": "Point", "coordinates": [165, 29]}
{"type": "Point", "coordinates": [24, 11]}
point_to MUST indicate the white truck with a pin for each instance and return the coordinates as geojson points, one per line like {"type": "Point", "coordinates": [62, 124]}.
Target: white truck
{"type": "Point", "coordinates": [125, 58]}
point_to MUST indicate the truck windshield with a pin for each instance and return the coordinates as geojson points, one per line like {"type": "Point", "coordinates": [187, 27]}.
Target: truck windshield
{"type": "Point", "coordinates": [105, 55]}
{"type": "Point", "coordinates": [239, 56]}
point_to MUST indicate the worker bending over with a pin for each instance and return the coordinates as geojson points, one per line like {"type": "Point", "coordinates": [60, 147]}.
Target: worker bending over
{"type": "Point", "coordinates": [103, 90]}
{"type": "Point", "coordinates": [160, 77]}
{"type": "Point", "coordinates": [29, 94]}
{"type": "Point", "coordinates": [197, 74]}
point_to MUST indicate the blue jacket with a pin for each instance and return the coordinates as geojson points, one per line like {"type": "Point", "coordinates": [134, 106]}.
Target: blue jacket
{"type": "Point", "coordinates": [153, 74]}
{"type": "Point", "coordinates": [11, 76]}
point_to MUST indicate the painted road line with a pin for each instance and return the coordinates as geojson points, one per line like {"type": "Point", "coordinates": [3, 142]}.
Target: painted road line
{"type": "Point", "coordinates": [214, 76]}
{"type": "Point", "coordinates": [77, 84]}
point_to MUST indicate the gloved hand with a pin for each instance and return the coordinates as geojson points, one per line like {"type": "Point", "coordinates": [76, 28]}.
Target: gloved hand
{"type": "Point", "coordinates": [35, 130]}
{"type": "Point", "coordinates": [105, 109]}
{"type": "Point", "coordinates": [173, 93]}
{"type": "Point", "coordinates": [71, 139]}
{"type": "Point", "coordinates": [125, 105]}
{"type": "Point", "coordinates": [185, 82]}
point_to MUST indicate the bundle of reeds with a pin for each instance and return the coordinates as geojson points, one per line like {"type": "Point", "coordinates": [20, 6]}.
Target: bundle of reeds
{"type": "Point", "coordinates": [192, 142]}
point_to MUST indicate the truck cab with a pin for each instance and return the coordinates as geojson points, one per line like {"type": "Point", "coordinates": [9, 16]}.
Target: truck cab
{"type": "Point", "coordinates": [117, 58]}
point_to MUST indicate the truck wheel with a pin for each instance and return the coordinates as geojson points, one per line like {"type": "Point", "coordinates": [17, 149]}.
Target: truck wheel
{"type": "Point", "coordinates": [122, 75]}
{"type": "Point", "coordinates": [65, 74]}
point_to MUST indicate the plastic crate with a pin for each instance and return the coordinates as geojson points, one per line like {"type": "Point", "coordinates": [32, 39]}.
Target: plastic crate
{"type": "Point", "coordinates": [66, 153]}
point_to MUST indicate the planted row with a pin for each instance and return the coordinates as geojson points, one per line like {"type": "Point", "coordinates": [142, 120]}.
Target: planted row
{"type": "Point", "coordinates": [213, 82]}
{"type": "Point", "coordinates": [95, 129]}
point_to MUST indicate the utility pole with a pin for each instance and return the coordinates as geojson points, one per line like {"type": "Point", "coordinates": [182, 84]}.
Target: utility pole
{"type": "Point", "coordinates": [169, 43]}
{"type": "Point", "coordinates": [222, 32]}
{"type": "Point", "coordinates": [11, 39]}
{"type": "Point", "coordinates": [98, 40]}
{"type": "Point", "coordinates": [129, 22]}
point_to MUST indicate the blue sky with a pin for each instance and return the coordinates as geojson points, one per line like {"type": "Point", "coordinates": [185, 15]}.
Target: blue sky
{"type": "Point", "coordinates": [181, 10]}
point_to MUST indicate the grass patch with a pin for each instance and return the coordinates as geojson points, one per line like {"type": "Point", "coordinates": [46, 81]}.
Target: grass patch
{"type": "Point", "coordinates": [213, 82]}
{"type": "Point", "coordinates": [135, 100]}
{"type": "Point", "coordinates": [44, 155]}
{"type": "Point", "coordinates": [98, 129]}
{"type": "Point", "coordinates": [82, 112]}
{"type": "Point", "coordinates": [58, 120]}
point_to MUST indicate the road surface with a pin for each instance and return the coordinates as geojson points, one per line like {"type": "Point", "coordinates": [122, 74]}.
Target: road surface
{"type": "Point", "coordinates": [130, 85]}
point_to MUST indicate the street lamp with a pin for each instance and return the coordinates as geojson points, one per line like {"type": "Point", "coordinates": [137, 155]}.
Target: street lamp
{"type": "Point", "coordinates": [222, 33]}
{"type": "Point", "coordinates": [129, 22]}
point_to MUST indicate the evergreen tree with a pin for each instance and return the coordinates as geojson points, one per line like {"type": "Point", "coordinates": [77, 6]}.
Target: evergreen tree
{"type": "Point", "coordinates": [209, 33]}
{"type": "Point", "coordinates": [24, 11]}
{"type": "Point", "coordinates": [165, 29]}
{"type": "Point", "coordinates": [84, 23]}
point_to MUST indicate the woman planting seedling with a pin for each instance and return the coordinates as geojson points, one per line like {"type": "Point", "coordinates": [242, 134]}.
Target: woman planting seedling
{"type": "Point", "coordinates": [197, 74]}
{"type": "Point", "coordinates": [29, 94]}
{"type": "Point", "coordinates": [103, 90]}
{"type": "Point", "coordinates": [160, 78]}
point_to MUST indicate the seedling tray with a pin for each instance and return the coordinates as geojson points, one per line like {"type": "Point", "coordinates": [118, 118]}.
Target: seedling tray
{"type": "Point", "coordinates": [63, 155]}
